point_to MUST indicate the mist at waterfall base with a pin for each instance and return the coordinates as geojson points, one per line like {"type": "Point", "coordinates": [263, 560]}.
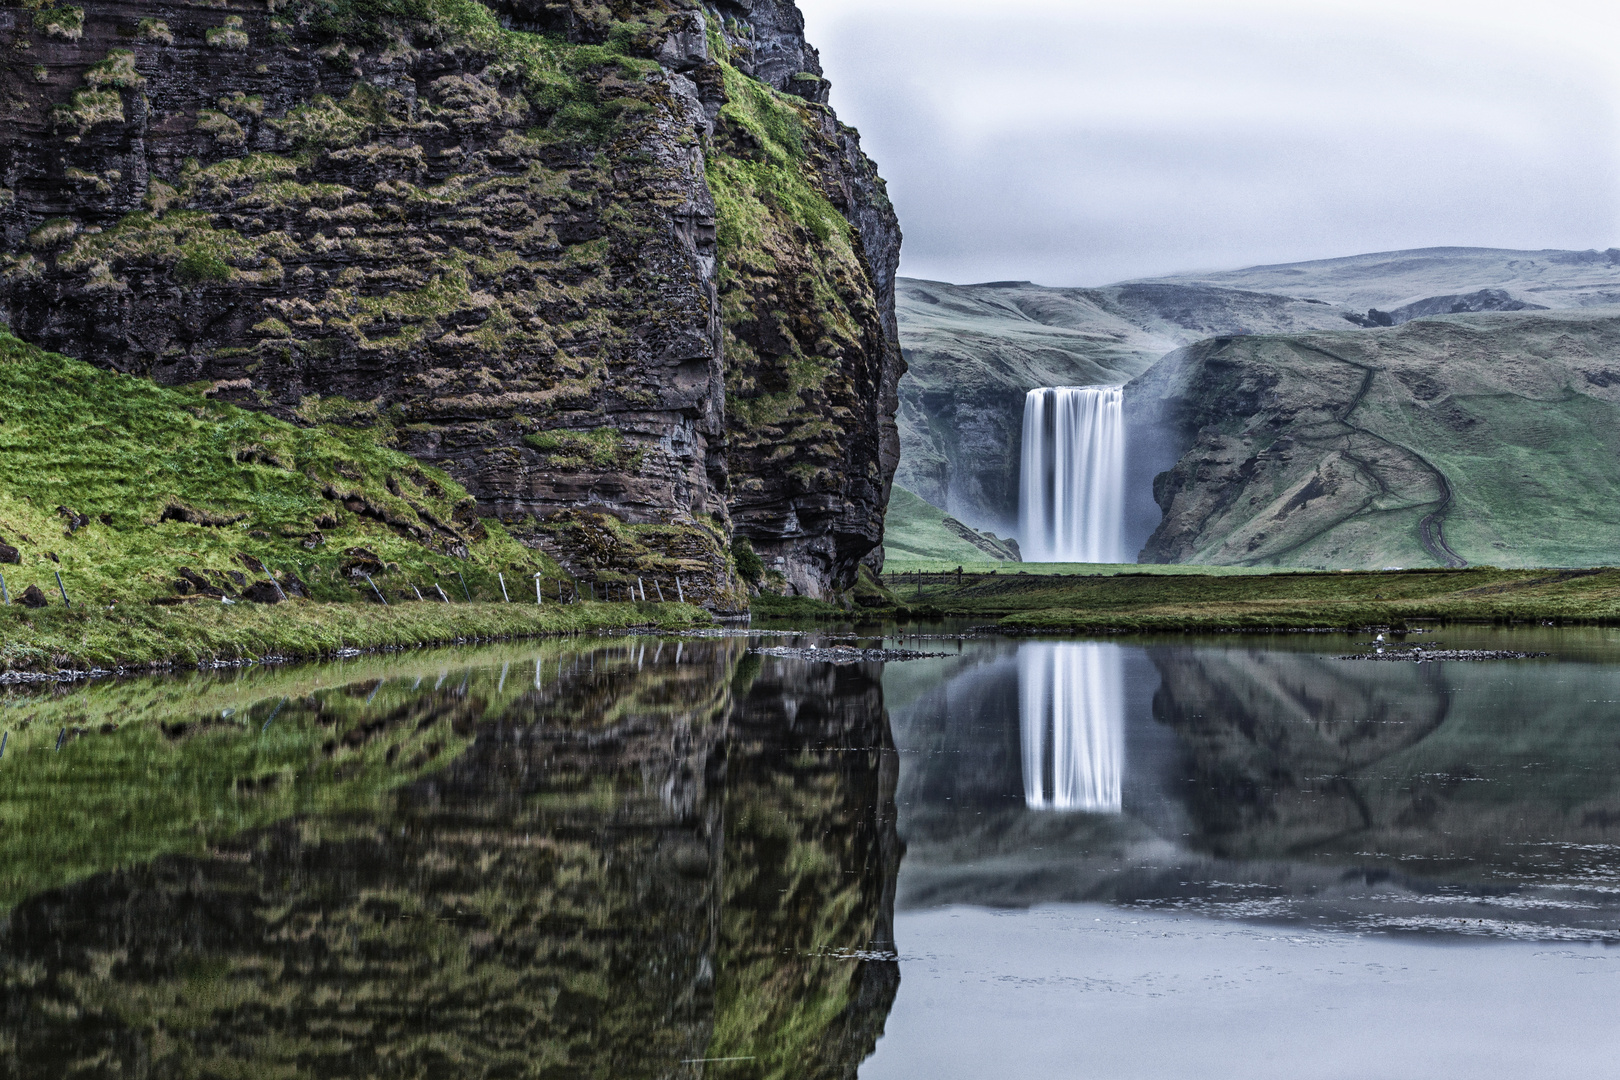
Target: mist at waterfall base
{"type": "Point", "coordinates": [1071, 500]}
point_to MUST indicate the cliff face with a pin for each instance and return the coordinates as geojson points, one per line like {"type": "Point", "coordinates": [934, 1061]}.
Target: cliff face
{"type": "Point", "coordinates": [537, 243]}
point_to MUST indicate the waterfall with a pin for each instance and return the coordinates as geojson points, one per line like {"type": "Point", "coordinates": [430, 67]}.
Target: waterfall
{"type": "Point", "coordinates": [1071, 719]}
{"type": "Point", "coordinates": [1071, 504]}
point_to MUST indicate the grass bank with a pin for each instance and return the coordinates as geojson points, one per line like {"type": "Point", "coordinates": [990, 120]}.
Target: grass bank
{"type": "Point", "coordinates": [1143, 601]}
{"type": "Point", "coordinates": [143, 636]}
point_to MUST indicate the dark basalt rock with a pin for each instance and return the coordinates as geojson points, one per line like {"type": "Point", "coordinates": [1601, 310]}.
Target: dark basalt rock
{"type": "Point", "coordinates": [339, 220]}
{"type": "Point", "coordinates": [10, 555]}
{"type": "Point", "coordinates": [262, 592]}
{"type": "Point", "coordinates": [32, 597]}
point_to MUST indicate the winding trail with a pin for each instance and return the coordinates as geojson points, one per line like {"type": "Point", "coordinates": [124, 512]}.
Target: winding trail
{"type": "Point", "coordinates": [1431, 529]}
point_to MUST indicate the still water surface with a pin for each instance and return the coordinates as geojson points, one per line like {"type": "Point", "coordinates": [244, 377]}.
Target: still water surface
{"type": "Point", "coordinates": [642, 857]}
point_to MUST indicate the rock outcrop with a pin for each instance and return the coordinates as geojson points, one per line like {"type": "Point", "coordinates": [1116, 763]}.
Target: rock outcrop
{"type": "Point", "coordinates": [623, 275]}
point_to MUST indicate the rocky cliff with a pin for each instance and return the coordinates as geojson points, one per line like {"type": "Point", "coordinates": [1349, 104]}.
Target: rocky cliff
{"type": "Point", "coordinates": [622, 273]}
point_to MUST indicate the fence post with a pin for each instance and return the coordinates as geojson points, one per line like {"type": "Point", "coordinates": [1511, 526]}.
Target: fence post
{"type": "Point", "coordinates": [374, 588]}
{"type": "Point", "coordinates": [4, 592]}
{"type": "Point", "coordinates": [418, 592]}
{"type": "Point", "coordinates": [442, 597]}
{"type": "Point", "coordinates": [504, 596]}
{"type": "Point", "coordinates": [660, 590]}
{"type": "Point", "coordinates": [538, 599]}
{"type": "Point", "coordinates": [464, 591]}
{"type": "Point", "coordinates": [65, 601]}
{"type": "Point", "coordinates": [680, 593]}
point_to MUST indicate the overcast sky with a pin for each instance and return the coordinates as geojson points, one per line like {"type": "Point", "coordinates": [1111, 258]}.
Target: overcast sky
{"type": "Point", "coordinates": [1078, 142]}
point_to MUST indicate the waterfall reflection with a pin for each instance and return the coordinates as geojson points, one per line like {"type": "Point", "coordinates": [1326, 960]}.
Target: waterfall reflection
{"type": "Point", "coordinates": [1071, 706]}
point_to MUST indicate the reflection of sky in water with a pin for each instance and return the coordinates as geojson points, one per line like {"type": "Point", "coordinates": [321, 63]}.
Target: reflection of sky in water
{"type": "Point", "coordinates": [1071, 724]}
{"type": "Point", "coordinates": [1312, 868]}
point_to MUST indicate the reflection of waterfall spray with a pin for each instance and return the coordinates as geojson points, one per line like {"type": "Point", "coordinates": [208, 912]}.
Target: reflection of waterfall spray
{"type": "Point", "coordinates": [1071, 712]}
{"type": "Point", "coordinates": [1071, 503]}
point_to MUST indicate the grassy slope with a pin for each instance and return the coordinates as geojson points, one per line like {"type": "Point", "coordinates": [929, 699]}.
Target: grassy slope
{"type": "Point", "coordinates": [1517, 412]}
{"type": "Point", "coordinates": [914, 530]}
{"type": "Point", "coordinates": [1148, 602]}
{"type": "Point", "coordinates": [106, 444]}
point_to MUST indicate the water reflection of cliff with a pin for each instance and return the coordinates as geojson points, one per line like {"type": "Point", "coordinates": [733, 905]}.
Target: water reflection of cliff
{"type": "Point", "coordinates": [1471, 771]}
{"type": "Point", "coordinates": [592, 888]}
{"type": "Point", "coordinates": [1270, 740]}
{"type": "Point", "coordinates": [1277, 783]}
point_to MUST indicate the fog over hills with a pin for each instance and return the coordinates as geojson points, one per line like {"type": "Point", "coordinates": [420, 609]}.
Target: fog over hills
{"type": "Point", "coordinates": [975, 350]}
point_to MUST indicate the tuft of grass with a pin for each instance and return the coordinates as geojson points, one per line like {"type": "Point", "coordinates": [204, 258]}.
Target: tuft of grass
{"type": "Point", "coordinates": [602, 448]}
{"type": "Point", "coordinates": [155, 30]}
{"type": "Point", "coordinates": [766, 606]}
{"type": "Point", "coordinates": [197, 264]}
{"type": "Point", "coordinates": [749, 566]}
{"type": "Point", "coordinates": [66, 23]}
{"type": "Point", "coordinates": [229, 36]}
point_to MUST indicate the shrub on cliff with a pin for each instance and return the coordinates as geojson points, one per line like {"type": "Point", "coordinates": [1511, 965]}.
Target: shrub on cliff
{"type": "Point", "coordinates": [749, 567]}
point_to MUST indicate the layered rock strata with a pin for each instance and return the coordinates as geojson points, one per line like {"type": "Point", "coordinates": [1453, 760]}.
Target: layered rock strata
{"type": "Point", "coordinates": [623, 274]}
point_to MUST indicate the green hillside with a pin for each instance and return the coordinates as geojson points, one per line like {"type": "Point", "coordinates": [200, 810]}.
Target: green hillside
{"type": "Point", "coordinates": [917, 531]}
{"type": "Point", "coordinates": [117, 482]}
{"type": "Point", "coordinates": [975, 350]}
{"type": "Point", "coordinates": [124, 488]}
{"type": "Point", "coordinates": [1480, 439]}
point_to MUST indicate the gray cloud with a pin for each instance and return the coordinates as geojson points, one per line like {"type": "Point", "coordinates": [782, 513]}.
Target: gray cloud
{"type": "Point", "coordinates": [1077, 144]}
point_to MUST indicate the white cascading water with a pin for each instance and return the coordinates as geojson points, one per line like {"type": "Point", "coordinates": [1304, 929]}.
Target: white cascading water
{"type": "Point", "coordinates": [1071, 719]}
{"type": "Point", "coordinates": [1071, 503]}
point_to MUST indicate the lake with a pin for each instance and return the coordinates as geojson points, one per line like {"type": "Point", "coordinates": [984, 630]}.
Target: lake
{"type": "Point", "coordinates": [683, 857]}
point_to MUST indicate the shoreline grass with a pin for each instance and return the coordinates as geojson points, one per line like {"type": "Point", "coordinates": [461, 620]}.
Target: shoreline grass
{"type": "Point", "coordinates": [1148, 602]}
{"type": "Point", "coordinates": [146, 637]}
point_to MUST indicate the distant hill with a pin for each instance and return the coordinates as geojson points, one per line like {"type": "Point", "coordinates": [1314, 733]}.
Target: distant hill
{"type": "Point", "coordinates": [975, 350]}
{"type": "Point", "coordinates": [1391, 279]}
